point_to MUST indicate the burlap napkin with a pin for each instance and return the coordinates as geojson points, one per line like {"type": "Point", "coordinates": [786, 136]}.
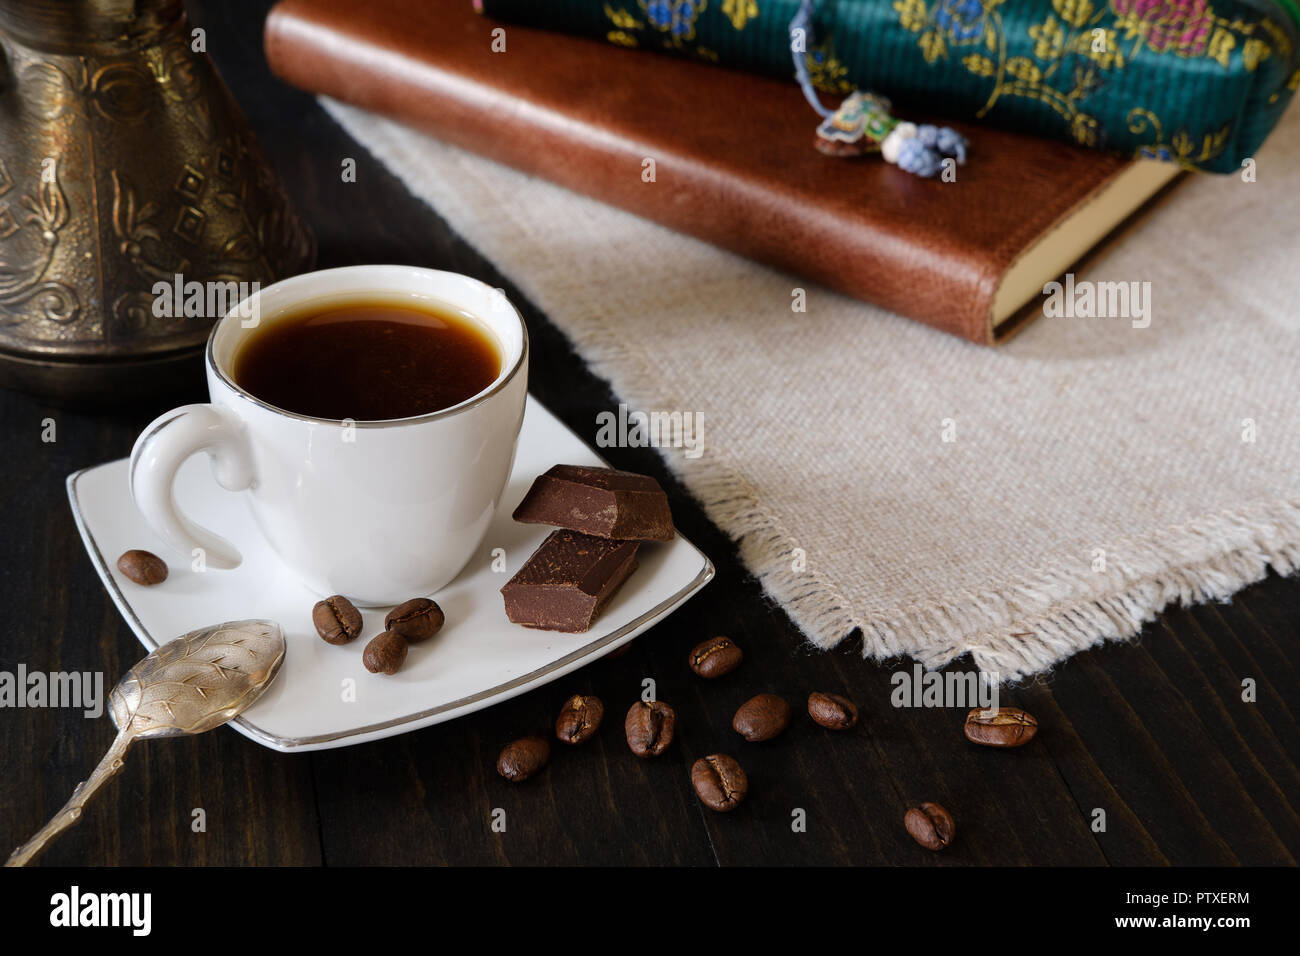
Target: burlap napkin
{"type": "Point", "coordinates": [1018, 504]}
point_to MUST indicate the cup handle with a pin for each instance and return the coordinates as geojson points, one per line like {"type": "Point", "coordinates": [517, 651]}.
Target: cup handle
{"type": "Point", "coordinates": [162, 448]}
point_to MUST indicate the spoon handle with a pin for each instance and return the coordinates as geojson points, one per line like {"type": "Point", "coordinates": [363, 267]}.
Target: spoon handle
{"type": "Point", "coordinates": [71, 813]}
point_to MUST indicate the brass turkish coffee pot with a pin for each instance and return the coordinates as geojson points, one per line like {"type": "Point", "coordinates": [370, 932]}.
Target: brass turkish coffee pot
{"type": "Point", "coordinates": [124, 162]}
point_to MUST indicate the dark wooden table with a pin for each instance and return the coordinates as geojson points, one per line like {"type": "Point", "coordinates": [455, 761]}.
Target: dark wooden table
{"type": "Point", "coordinates": [1155, 732]}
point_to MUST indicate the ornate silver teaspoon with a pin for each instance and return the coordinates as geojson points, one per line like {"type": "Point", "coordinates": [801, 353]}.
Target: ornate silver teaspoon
{"type": "Point", "coordinates": [186, 686]}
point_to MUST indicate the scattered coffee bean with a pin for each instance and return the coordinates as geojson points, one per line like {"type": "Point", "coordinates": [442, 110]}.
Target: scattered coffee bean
{"type": "Point", "coordinates": [832, 711]}
{"type": "Point", "coordinates": [930, 825]}
{"type": "Point", "coordinates": [385, 653]}
{"type": "Point", "coordinates": [416, 620]}
{"type": "Point", "coordinates": [1007, 727]}
{"type": "Point", "coordinates": [143, 567]}
{"type": "Point", "coordinates": [715, 657]}
{"type": "Point", "coordinates": [761, 718]}
{"type": "Point", "coordinates": [522, 758]}
{"type": "Point", "coordinates": [337, 620]}
{"type": "Point", "coordinates": [649, 727]}
{"type": "Point", "coordinates": [719, 782]}
{"type": "Point", "coordinates": [579, 719]}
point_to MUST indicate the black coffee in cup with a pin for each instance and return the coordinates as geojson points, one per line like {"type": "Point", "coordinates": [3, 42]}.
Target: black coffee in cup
{"type": "Point", "coordinates": [367, 360]}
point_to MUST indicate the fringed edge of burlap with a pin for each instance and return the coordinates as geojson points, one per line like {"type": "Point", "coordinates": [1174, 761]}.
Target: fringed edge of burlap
{"type": "Point", "coordinates": [1020, 627]}
{"type": "Point", "coordinates": [1017, 629]}
{"type": "Point", "coordinates": [1027, 625]}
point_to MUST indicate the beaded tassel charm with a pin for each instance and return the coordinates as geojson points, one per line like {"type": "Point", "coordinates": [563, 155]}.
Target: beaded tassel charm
{"type": "Point", "coordinates": [863, 124]}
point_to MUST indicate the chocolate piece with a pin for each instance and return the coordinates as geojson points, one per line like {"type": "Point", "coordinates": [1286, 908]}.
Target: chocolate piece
{"type": "Point", "coordinates": [567, 581]}
{"type": "Point", "coordinates": [599, 501]}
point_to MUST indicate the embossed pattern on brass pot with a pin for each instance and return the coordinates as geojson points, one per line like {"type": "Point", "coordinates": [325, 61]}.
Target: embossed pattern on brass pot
{"type": "Point", "coordinates": [123, 162]}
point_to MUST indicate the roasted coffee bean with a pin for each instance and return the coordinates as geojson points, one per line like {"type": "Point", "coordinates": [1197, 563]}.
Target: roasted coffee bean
{"type": "Point", "coordinates": [761, 718]}
{"type": "Point", "coordinates": [337, 620]}
{"type": "Point", "coordinates": [930, 825]}
{"type": "Point", "coordinates": [579, 719]}
{"type": "Point", "coordinates": [715, 657]}
{"type": "Point", "coordinates": [143, 567]}
{"type": "Point", "coordinates": [1007, 727]}
{"type": "Point", "coordinates": [416, 620]}
{"type": "Point", "coordinates": [719, 782]}
{"type": "Point", "coordinates": [832, 711]}
{"type": "Point", "coordinates": [649, 727]}
{"type": "Point", "coordinates": [385, 653]}
{"type": "Point", "coordinates": [522, 758]}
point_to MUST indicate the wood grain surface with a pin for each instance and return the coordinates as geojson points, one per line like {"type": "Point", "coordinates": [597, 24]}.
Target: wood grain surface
{"type": "Point", "coordinates": [1153, 732]}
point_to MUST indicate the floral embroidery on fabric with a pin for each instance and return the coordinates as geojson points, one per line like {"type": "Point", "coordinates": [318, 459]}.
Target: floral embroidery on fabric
{"type": "Point", "coordinates": [740, 12]}
{"type": "Point", "coordinates": [1180, 26]}
{"type": "Point", "coordinates": [1078, 45]}
{"type": "Point", "coordinates": [963, 19]}
{"type": "Point", "coordinates": [672, 23]}
{"type": "Point", "coordinates": [828, 74]}
{"type": "Point", "coordinates": [623, 22]}
{"type": "Point", "coordinates": [1180, 148]}
{"type": "Point", "coordinates": [674, 17]}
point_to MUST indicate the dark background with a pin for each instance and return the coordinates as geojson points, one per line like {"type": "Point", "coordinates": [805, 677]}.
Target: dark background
{"type": "Point", "coordinates": [1153, 731]}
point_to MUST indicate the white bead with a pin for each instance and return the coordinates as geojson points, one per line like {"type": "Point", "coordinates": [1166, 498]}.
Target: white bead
{"type": "Point", "coordinates": [892, 143]}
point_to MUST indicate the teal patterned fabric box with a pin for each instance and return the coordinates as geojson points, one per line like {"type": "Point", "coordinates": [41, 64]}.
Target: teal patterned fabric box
{"type": "Point", "coordinates": [1196, 82]}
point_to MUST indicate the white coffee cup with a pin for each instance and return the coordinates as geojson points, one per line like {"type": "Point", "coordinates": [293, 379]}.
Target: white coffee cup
{"type": "Point", "coordinates": [376, 511]}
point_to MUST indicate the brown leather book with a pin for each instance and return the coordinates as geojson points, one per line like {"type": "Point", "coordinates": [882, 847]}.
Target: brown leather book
{"type": "Point", "coordinates": [734, 157]}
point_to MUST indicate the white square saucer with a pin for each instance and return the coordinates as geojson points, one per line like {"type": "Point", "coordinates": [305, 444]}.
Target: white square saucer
{"type": "Point", "coordinates": [478, 659]}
